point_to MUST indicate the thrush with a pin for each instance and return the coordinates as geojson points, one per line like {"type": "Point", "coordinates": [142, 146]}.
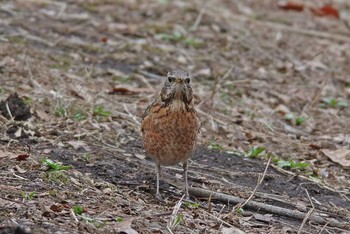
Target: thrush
{"type": "Point", "coordinates": [170, 125]}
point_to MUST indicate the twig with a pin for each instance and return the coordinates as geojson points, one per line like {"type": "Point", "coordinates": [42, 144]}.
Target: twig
{"type": "Point", "coordinates": [198, 192]}
{"type": "Point", "coordinates": [131, 115]}
{"type": "Point", "coordinates": [8, 110]}
{"type": "Point", "coordinates": [173, 219]}
{"type": "Point", "coordinates": [323, 228]}
{"type": "Point", "coordinates": [307, 216]}
{"type": "Point", "coordinates": [260, 180]}
{"type": "Point", "coordinates": [198, 19]}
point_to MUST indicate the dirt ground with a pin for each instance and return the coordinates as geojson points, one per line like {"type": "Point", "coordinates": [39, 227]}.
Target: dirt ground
{"type": "Point", "coordinates": [272, 90]}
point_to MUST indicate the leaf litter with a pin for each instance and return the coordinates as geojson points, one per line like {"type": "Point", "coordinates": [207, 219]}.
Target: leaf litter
{"type": "Point", "coordinates": [60, 63]}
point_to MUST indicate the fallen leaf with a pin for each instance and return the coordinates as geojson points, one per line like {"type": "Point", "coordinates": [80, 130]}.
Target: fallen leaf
{"type": "Point", "coordinates": [291, 5]}
{"type": "Point", "coordinates": [140, 156]}
{"type": "Point", "coordinates": [129, 90]}
{"type": "Point", "coordinates": [326, 10]}
{"type": "Point", "coordinates": [340, 156]}
{"type": "Point", "coordinates": [265, 218]}
{"type": "Point", "coordinates": [22, 157]}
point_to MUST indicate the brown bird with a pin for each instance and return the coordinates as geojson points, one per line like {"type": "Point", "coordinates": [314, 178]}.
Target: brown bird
{"type": "Point", "coordinates": [170, 125]}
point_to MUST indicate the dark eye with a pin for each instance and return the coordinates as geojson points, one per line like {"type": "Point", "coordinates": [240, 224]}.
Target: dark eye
{"type": "Point", "coordinates": [171, 79]}
{"type": "Point", "coordinates": [187, 80]}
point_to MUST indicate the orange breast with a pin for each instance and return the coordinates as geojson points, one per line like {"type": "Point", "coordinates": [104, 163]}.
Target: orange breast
{"type": "Point", "coordinates": [169, 134]}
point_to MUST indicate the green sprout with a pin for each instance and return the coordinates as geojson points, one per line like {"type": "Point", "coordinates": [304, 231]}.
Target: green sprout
{"type": "Point", "coordinates": [28, 196]}
{"type": "Point", "coordinates": [55, 166]}
{"type": "Point", "coordinates": [214, 145]}
{"type": "Point", "coordinates": [191, 205]}
{"type": "Point", "coordinates": [334, 103]}
{"type": "Point", "coordinates": [100, 111]}
{"type": "Point", "coordinates": [79, 116]}
{"type": "Point", "coordinates": [292, 164]}
{"type": "Point", "coordinates": [78, 210]}
{"type": "Point", "coordinates": [255, 152]}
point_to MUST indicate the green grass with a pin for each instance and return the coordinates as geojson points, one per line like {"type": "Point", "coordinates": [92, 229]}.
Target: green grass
{"type": "Point", "coordinates": [178, 37]}
{"type": "Point", "coordinates": [333, 103]}
{"type": "Point", "coordinates": [55, 177]}
{"type": "Point", "coordinates": [28, 196]}
{"type": "Point", "coordinates": [214, 145]}
{"type": "Point", "coordinates": [55, 166]}
{"type": "Point", "coordinates": [100, 111]}
{"type": "Point", "coordinates": [191, 205]}
{"type": "Point", "coordinates": [254, 152]}
{"type": "Point", "coordinates": [79, 116]}
{"type": "Point", "coordinates": [291, 164]}
{"type": "Point", "coordinates": [61, 111]}
{"type": "Point", "coordinates": [78, 210]}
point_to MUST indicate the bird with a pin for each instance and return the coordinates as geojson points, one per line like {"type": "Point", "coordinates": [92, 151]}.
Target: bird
{"type": "Point", "coordinates": [170, 125]}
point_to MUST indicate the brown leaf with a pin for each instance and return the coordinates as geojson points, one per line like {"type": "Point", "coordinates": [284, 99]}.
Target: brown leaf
{"type": "Point", "coordinates": [340, 156]}
{"type": "Point", "coordinates": [129, 90]}
{"type": "Point", "coordinates": [56, 208]}
{"type": "Point", "coordinates": [22, 157]}
{"type": "Point", "coordinates": [291, 5]}
{"type": "Point", "coordinates": [326, 10]}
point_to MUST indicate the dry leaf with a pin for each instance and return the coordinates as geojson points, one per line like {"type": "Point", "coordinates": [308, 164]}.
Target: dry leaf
{"type": "Point", "coordinates": [291, 5]}
{"type": "Point", "coordinates": [22, 157]}
{"type": "Point", "coordinates": [129, 90]}
{"type": "Point", "coordinates": [326, 10]}
{"type": "Point", "coordinates": [340, 156]}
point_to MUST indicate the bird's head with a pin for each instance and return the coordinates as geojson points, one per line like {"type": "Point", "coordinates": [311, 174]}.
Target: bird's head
{"type": "Point", "coordinates": [177, 87]}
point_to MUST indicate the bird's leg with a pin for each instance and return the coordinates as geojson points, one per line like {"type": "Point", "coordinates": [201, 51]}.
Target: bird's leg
{"type": "Point", "coordinates": [158, 177]}
{"type": "Point", "coordinates": [185, 167]}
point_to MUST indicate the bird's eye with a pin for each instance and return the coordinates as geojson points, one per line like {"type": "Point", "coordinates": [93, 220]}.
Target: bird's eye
{"type": "Point", "coordinates": [187, 80]}
{"type": "Point", "coordinates": [171, 79]}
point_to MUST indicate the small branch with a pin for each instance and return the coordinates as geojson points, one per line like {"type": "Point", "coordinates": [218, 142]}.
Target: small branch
{"type": "Point", "coordinates": [202, 193]}
{"type": "Point", "coordinates": [307, 216]}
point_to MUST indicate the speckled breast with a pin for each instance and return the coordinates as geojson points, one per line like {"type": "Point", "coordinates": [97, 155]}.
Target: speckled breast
{"type": "Point", "coordinates": [169, 134]}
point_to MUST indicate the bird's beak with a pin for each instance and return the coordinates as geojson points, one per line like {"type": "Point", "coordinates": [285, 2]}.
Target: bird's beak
{"type": "Point", "coordinates": [179, 80]}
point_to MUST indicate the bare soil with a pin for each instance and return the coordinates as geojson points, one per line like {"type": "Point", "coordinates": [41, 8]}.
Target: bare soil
{"type": "Point", "coordinates": [84, 71]}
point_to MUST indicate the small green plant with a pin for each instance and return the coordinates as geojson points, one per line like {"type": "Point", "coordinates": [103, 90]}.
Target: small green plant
{"type": "Point", "coordinates": [55, 166]}
{"type": "Point", "coordinates": [78, 210]}
{"type": "Point", "coordinates": [100, 111]}
{"type": "Point", "coordinates": [28, 196]}
{"type": "Point", "coordinates": [94, 222]}
{"type": "Point", "coordinates": [295, 120]}
{"type": "Point", "coordinates": [79, 116]}
{"type": "Point", "coordinates": [239, 210]}
{"type": "Point", "coordinates": [191, 205]}
{"type": "Point", "coordinates": [56, 177]}
{"type": "Point", "coordinates": [300, 120]}
{"type": "Point", "coordinates": [178, 37]}
{"type": "Point", "coordinates": [214, 145]}
{"type": "Point", "coordinates": [255, 152]}
{"type": "Point", "coordinates": [333, 103]}
{"type": "Point", "coordinates": [179, 219]}
{"type": "Point", "coordinates": [291, 164]}
{"type": "Point", "coordinates": [119, 219]}
{"type": "Point", "coordinates": [61, 111]}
